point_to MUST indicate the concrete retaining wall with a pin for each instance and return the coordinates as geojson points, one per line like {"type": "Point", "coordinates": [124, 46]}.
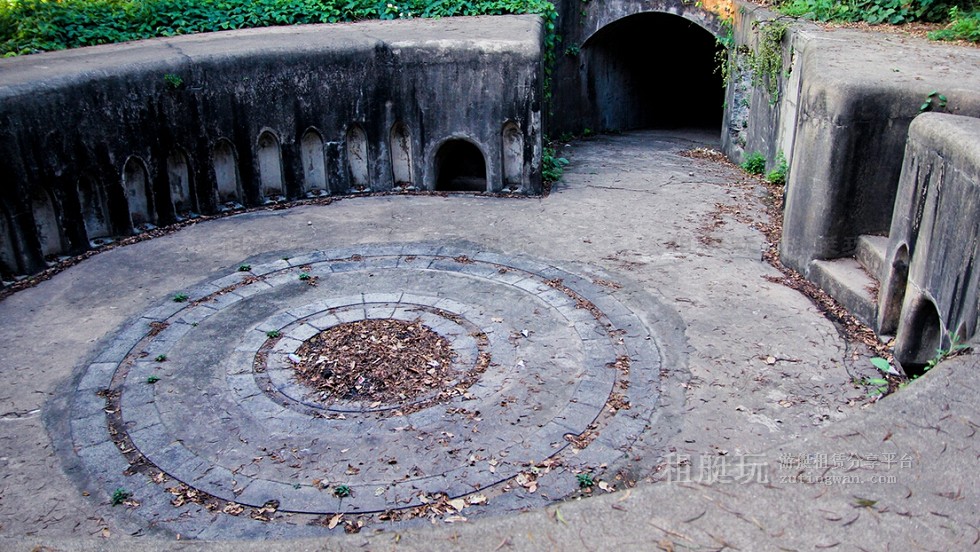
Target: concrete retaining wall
{"type": "Point", "coordinates": [101, 142]}
{"type": "Point", "coordinates": [932, 287]}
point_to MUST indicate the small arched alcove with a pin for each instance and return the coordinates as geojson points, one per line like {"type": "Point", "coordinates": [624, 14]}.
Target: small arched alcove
{"type": "Point", "coordinates": [314, 168]}
{"type": "Point", "coordinates": [893, 292]}
{"type": "Point", "coordinates": [8, 253]}
{"type": "Point", "coordinates": [357, 160]}
{"type": "Point", "coordinates": [47, 222]}
{"type": "Point", "coordinates": [139, 198]}
{"type": "Point", "coordinates": [95, 208]}
{"type": "Point", "coordinates": [227, 182]}
{"type": "Point", "coordinates": [460, 167]}
{"type": "Point", "coordinates": [512, 141]}
{"type": "Point", "coordinates": [920, 334]}
{"type": "Point", "coordinates": [179, 177]}
{"type": "Point", "coordinates": [270, 166]}
{"type": "Point", "coordinates": [400, 145]}
{"type": "Point", "coordinates": [653, 70]}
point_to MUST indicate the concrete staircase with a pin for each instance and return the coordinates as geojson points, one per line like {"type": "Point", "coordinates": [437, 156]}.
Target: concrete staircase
{"type": "Point", "coordinates": [853, 281]}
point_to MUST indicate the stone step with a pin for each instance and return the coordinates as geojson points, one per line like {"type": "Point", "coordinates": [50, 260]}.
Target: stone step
{"type": "Point", "coordinates": [871, 251]}
{"type": "Point", "coordinates": [850, 284]}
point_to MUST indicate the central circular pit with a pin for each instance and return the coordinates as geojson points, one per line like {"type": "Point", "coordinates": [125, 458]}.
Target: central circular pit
{"type": "Point", "coordinates": [378, 361]}
{"type": "Point", "coordinates": [398, 373]}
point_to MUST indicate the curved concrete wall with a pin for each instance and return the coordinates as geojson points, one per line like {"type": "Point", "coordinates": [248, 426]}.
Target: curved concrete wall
{"type": "Point", "coordinates": [105, 141]}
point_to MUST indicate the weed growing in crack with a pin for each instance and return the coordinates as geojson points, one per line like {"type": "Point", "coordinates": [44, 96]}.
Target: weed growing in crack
{"type": "Point", "coordinates": [152, 379]}
{"type": "Point", "coordinates": [120, 495]}
{"type": "Point", "coordinates": [585, 480]}
{"type": "Point", "coordinates": [244, 267]}
{"type": "Point", "coordinates": [272, 334]}
{"type": "Point", "coordinates": [755, 163]}
{"type": "Point", "coordinates": [180, 298]}
{"type": "Point", "coordinates": [161, 358]}
{"type": "Point", "coordinates": [342, 491]}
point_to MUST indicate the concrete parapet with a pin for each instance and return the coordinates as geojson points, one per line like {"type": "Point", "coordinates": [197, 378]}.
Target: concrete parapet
{"type": "Point", "coordinates": [101, 142]}
{"type": "Point", "coordinates": [931, 289]}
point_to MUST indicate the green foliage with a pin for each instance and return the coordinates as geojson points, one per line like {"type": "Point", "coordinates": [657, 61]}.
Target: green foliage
{"type": "Point", "coordinates": [304, 276]}
{"type": "Point", "coordinates": [30, 26]}
{"type": "Point", "coordinates": [585, 480]}
{"type": "Point", "coordinates": [777, 175]}
{"type": "Point", "coordinates": [180, 298]}
{"type": "Point", "coordinates": [893, 12]}
{"type": "Point", "coordinates": [152, 379]}
{"type": "Point", "coordinates": [933, 102]}
{"type": "Point", "coordinates": [955, 347]}
{"type": "Point", "coordinates": [173, 81]}
{"type": "Point", "coordinates": [879, 386]}
{"type": "Point", "coordinates": [272, 334]}
{"type": "Point", "coordinates": [755, 163]}
{"type": "Point", "coordinates": [244, 267]}
{"type": "Point", "coordinates": [342, 491]}
{"type": "Point", "coordinates": [765, 63]}
{"type": "Point", "coordinates": [161, 358]}
{"type": "Point", "coordinates": [552, 168]}
{"type": "Point", "coordinates": [964, 25]}
{"type": "Point", "coordinates": [120, 495]}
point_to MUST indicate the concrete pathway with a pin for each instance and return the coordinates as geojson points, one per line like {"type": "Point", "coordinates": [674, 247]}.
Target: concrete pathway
{"type": "Point", "coordinates": [743, 428]}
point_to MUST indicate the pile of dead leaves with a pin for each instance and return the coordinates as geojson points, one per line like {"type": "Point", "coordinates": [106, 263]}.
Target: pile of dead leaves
{"type": "Point", "coordinates": [384, 361]}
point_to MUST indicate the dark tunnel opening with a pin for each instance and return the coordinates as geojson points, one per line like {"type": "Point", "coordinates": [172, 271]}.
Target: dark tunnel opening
{"type": "Point", "coordinates": [653, 70]}
{"type": "Point", "coordinates": [460, 167]}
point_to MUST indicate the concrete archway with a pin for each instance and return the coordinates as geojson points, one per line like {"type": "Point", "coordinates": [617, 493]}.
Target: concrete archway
{"type": "Point", "coordinates": [652, 70]}
{"type": "Point", "coordinates": [460, 166]}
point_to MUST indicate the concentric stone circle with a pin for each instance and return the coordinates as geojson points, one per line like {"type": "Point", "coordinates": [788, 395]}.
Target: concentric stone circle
{"type": "Point", "coordinates": [224, 416]}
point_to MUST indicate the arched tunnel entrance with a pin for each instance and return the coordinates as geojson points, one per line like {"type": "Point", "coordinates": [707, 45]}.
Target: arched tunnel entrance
{"type": "Point", "coordinates": [653, 70]}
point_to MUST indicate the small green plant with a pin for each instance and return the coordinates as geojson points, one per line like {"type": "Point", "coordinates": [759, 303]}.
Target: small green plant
{"type": "Point", "coordinates": [342, 491]}
{"type": "Point", "coordinates": [244, 267]}
{"type": "Point", "coordinates": [552, 168]}
{"type": "Point", "coordinates": [879, 386]}
{"type": "Point", "coordinates": [572, 51]}
{"type": "Point", "coordinates": [755, 163]}
{"type": "Point", "coordinates": [180, 298]}
{"type": "Point", "coordinates": [304, 276]}
{"type": "Point", "coordinates": [766, 62]}
{"type": "Point", "coordinates": [777, 175]}
{"type": "Point", "coordinates": [585, 480]}
{"type": "Point", "coordinates": [120, 495]}
{"type": "Point", "coordinates": [586, 132]}
{"type": "Point", "coordinates": [933, 102]}
{"type": "Point", "coordinates": [272, 334]}
{"type": "Point", "coordinates": [161, 358]}
{"type": "Point", "coordinates": [173, 81]}
{"type": "Point", "coordinates": [964, 25]}
{"type": "Point", "coordinates": [955, 347]}
{"type": "Point", "coordinates": [152, 379]}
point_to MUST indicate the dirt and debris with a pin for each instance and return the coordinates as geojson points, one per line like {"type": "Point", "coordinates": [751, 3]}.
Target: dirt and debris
{"type": "Point", "coordinates": [384, 360]}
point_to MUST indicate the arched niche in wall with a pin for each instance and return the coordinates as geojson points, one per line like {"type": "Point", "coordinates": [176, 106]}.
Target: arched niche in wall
{"type": "Point", "coordinates": [512, 150]}
{"type": "Point", "coordinates": [460, 167]}
{"type": "Point", "coordinates": [314, 168]}
{"type": "Point", "coordinates": [227, 182]}
{"type": "Point", "coordinates": [47, 223]}
{"type": "Point", "coordinates": [95, 208]}
{"type": "Point", "coordinates": [919, 335]}
{"type": "Point", "coordinates": [8, 254]}
{"type": "Point", "coordinates": [400, 145]}
{"type": "Point", "coordinates": [179, 176]}
{"type": "Point", "coordinates": [270, 166]}
{"type": "Point", "coordinates": [136, 183]}
{"type": "Point", "coordinates": [357, 160]}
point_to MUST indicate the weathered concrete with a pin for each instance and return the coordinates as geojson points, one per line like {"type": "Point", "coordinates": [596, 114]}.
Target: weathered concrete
{"type": "Point", "coordinates": [858, 94]}
{"type": "Point", "coordinates": [735, 400]}
{"type": "Point", "coordinates": [934, 240]}
{"type": "Point", "coordinates": [100, 141]}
